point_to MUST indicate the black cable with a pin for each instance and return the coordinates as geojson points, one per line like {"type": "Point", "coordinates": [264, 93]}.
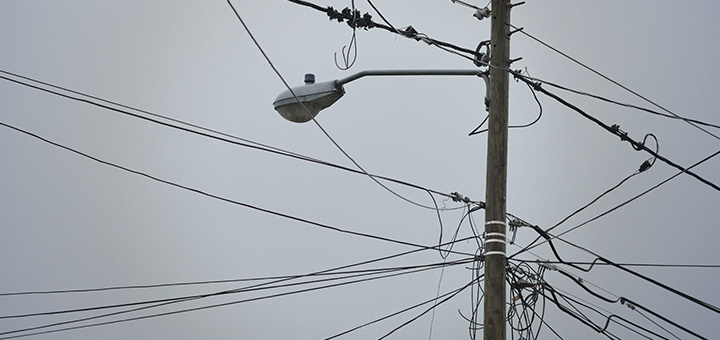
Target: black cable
{"type": "Point", "coordinates": [699, 122]}
{"type": "Point", "coordinates": [643, 167]}
{"type": "Point", "coordinates": [595, 263]}
{"type": "Point", "coordinates": [616, 83]}
{"type": "Point", "coordinates": [615, 130]}
{"type": "Point", "coordinates": [646, 278]}
{"type": "Point", "coordinates": [220, 198]}
{"type": "Point", "coordinates": [585, 320]}
{"type": "Point", "coordinates": [244, 142]}
{"type": "Point", "coordinates": [530, 247]}
{"type": "Point", "coordinates": [257, 44]}
{"type": "Point", "coordinates": [367, 23]}
{"type": "Point", "coordinates": [655, 323]}
{"type": "Point", "coordinates": [453, 292]}
{"type": "Point", "coordinates": [426, 311]}
{"type": "Point", "coordinates": [276, 279]}
{"type": "Point", "coordinates": [188, 309]}
{"type": "Point", "coordinates": [331, 271]}
{"type": "Point", "coordinates": [475, 131]}
{"type": "Point", "coordinates": [277, 283]}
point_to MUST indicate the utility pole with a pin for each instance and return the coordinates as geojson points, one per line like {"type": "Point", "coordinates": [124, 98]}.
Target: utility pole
{"type": "Point", "coordinates": [494, 322]}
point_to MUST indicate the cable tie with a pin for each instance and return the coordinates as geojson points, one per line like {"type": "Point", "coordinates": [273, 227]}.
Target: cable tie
{"type": "Point", "coordinates": [501, 235]}
{"type": "Point", "coordinates": [496, 222]}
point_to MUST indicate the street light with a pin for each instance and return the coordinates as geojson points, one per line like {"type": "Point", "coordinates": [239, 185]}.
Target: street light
{"type": "Point", "coordinates": [292, 103]}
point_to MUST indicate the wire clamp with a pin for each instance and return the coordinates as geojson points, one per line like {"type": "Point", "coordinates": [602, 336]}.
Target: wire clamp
{"type": "Point", "coordinates": [510, 33]}
{"type": "Point", "coordinates": [548, 266]}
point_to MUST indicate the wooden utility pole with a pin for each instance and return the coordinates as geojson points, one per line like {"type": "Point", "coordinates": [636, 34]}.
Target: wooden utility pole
{"type": "Point", "coordinates": [496, 176]}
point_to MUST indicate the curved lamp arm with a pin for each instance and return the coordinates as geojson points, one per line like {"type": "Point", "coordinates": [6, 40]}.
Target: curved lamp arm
{"type": "Point", "coordinates": [316, 97]}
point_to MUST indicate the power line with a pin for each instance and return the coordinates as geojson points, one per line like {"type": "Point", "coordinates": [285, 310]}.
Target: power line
{"type": "Point", "coordinates": [615, 130]}
{"type": "Point", "coordinates": [267, 58]}
{"type": "Point", "coordinates": [448, 294]}
{"type": "Point", "coordinates": [699, 122]}
{"type": "Point", "coordinates": [641, 276]}
{"type": "Point", "coordinates": [660, 265]}
{"type": "Point", "coordinates": [333, 271]}
{"type": "Point", "coordinates": [531, 246]}
{"type": "Point", "coordinates": [275, 284]}
{"type": "Point", "coordinates": [644, 167]}
{"type": "Point", "coordinates": [239, 141]}
{"type": "Point", "coordinates": [176, 311]}
{"type": "Point", "coordinates": [408, 32]}
{"type": "Point", "coordinates": [220, 198]}
{"type": "Point", "coordinates": [693, 123]}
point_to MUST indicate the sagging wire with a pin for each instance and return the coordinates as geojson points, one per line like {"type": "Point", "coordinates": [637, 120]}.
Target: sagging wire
{"type": "Point", "coordinates": [476, 296]}
{"type": "Point", "coordinates": [353, 22]}
{"type": "Point", "coordinates": [615, 299]}
{"type": "Point", "coordinates": [603, 259]}
{"type": "Point", "coordinates": [366, 21]}
{"type": "Point", "coordinates": [525, 290]}
{"type": "Point", "coordinates": [625, 301]}
{"type": "Point", "coordinates": [444, 253]}
{"type": "Point", "coordinates": [571, 309]}
{"type": "Point", "coordinates": [477, 130]}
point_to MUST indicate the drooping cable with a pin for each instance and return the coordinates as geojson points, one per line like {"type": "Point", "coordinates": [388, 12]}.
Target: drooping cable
{"type": "Point", "coordinates": [267, 58]}
{"type": "Point", "coordinates": [408, 32]}
{"type": "Point", "coordinates": [686, 296]}
{"type": "Point", "coordinates": [477, 131]}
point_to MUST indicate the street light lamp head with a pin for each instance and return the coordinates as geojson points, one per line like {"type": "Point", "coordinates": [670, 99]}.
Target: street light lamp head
{"type": "Point", "coordinates": [314, 97]}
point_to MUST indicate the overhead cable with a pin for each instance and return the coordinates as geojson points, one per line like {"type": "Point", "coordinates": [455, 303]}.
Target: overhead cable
{"type": "Point", "coordinates": [686, 296]}
{"type": "Point", "coordinates": [691, 122]}
{"type": "Point", "coordinates": [282, 79]}
{"type": "Point", "coordinates": [582, 93]}
{"type": "Point", "coordinates": [367, 23]}
{"type": "Point", "coordinates": [449, 294]}
{"type": "Point", "coordinates": [615, 130]}
{"type": "Point", "coordinates": [224, 199]}
{"type": "Point", "coordinates": [3, 334]}
{"type": "Point", "coordinates": [209, 133]}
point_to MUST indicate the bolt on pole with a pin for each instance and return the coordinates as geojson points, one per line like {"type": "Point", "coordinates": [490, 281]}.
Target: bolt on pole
{"type": "Point", "coordinates": [494, 323]}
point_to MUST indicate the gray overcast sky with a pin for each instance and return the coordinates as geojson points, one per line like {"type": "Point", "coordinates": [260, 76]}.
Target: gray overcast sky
{"type": "Point", "coordinates": [67, 222]}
